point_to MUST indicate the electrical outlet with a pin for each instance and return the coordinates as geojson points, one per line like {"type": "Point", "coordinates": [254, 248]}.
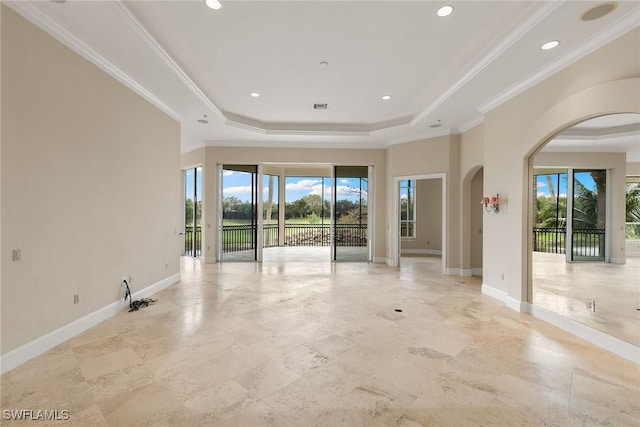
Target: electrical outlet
{"type": "Point", "coordinates": [76, 298]}
{"type": "Point", "coordinates": [16, 255]}
{"type": "Point", "coordinates": [591, 305]}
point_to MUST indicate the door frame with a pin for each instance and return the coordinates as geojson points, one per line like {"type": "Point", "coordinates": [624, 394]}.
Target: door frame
{"type": "Point", "coordinates": [394, 240]}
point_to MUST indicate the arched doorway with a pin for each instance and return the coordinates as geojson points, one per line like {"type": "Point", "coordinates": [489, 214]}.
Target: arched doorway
{"type": "Point", "coordinates": [579, 211]}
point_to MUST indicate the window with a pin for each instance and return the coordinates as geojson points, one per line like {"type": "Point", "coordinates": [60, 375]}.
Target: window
{"type": "Point", "coordinates": [408, 209]}
{"type": "Point", "coordinates": [632, 220]}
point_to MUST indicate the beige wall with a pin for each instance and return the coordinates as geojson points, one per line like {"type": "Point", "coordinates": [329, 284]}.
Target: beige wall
{"type": "Point", "coordinates": [428, 218]}
{"type": "Point", "coordinates": [241, 155]}
{"type": "Point", "coordinates": [603, 82]}
{"type": "Point", "coordinates": [90, 186]}
{"type": "Point", "coordinates": [471, 161]}
{"type": "Point", "coordinates": [431, 156]}
{"type": "Point", "coordinates": [633, 169]}
{"type": "Point", "coordinates": [476, 212]}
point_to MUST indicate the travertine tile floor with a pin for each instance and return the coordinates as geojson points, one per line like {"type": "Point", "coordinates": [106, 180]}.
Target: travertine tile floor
{"type": "Point", "coordinates": [564, 288]}
{"type": "Point", "coordinates": [319, 344]}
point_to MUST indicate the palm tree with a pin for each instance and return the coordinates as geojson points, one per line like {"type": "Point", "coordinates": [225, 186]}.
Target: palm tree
{"type": "Point", "coordinates": [633, 209]}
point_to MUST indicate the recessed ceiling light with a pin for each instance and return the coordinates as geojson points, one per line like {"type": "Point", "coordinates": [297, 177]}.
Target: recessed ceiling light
{"type": "Point", "coordinates": [324, 64]}
{"type": "Point", "coordinates": [435, 125]}
{"type": "Point", "coordinates": [445, 11]}
{"type": "Point", "coordinates": [213, 4]}
{"type": "Point", "coordinates": [59, 1]}
{"type": "Point", "coordinates": [550, 45]}
{"type": "Point", "coordinates": [386, 97]}
{"type": "Point", "coordinates": [255, 94]}
{"type": "Point", "coordinates": [203, 120]}
{"type": "Point", "coordinates": [599, 11]}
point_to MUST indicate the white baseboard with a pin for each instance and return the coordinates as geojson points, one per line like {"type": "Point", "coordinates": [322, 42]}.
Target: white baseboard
{"type": "Point", "coordinates": [476, 271]}
{"type": "Point", "coordinates": [465, 272]}
{"type": "Point", "coordinates": [615, 345]}
{"type": "Point", "coordinates": [618, 260]}
{"type": "Point", "coordinates": [28, 351]}
{"type": "Point", "coordinates": [512, 303]}
{"type": "Point", "coordinates": [382, 260]}
{"type": "Point", "coordinates": [421, 251]}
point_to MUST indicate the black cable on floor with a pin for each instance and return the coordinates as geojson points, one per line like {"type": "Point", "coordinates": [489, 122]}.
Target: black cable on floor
{"type": "Point", "coordinates": [135, 305]}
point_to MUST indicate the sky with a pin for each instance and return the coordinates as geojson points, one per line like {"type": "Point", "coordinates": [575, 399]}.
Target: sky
{"type": "Point", "coordinates": [543, 188]}
{"type": "Point", "coordinates": [189, 183]}
{"type": "Point", "coordinates": [238, 184]}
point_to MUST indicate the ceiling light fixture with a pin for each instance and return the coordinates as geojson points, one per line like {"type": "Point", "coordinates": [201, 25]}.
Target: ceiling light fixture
{"type": "Point", "coordinates": [550, 45]}
{"type": "Point", "coordinates": [213, 4]}
{"type": "Point", "coordinates": [255, 94]}
{"type": "Point", "coordinates": [386, 97]}
{"type": "Point", "coordinates": [58, 1]}
{"type": "Point", "coordinates": [599, 11]}
{"type": "Point", "coordinates": [445, 11]}
{"type": "Point", "coordinates": [204, 120]}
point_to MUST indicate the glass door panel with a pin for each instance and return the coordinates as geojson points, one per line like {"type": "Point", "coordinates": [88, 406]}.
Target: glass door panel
{"type": "Point", "coordinates": [239, 236]}
{"type": "Point", "coordinates": [270, 226]}
{"type": "Point", "coordinates": [350, 226]}
{"type": "Point", "coordinates": [588, 234]}
{"type": "Point", "coordinates": [192, 212]}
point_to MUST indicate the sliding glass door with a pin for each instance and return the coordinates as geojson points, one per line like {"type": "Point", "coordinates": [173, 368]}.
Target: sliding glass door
{"type": "Point", "coordinates": [192, 212]}
{"type": "Point", "coordinates": [588, 216]}
{"type": "Point", "coordinates": [238, 230]}
{"type": "Point", "coordinates": [350, 207]}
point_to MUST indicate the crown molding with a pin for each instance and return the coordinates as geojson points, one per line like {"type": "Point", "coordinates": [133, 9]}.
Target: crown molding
{"type": "Point", "coordinates": [470, 124]}
{"type": "Point", "coordinates": [133, 23]}
{"type": "Point", "coordinates": [613, 132]}
{"type": "Point", "coordinates": [595, 42]}
{"type": "Point", "coordinates": [191, 147]}
{"type": "Point", "coordinates": [294, 144]}
{"type": "Point", "coordinates": [545, 10]}
{"type": "Point", "coordinates": [35, 15]}
{"type": "Point", "coordinates": [415, 138]}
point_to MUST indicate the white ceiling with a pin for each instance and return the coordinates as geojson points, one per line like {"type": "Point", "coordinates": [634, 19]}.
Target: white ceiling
{"type": "Point", "coordinates": [192, 61]}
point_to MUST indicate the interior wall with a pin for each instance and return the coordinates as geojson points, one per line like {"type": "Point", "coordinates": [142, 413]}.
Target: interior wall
{"type": "Point", "coordinates": [633, 168]}
{"type": "Point", "coordinates": [434, 155]}
{"type": "Point", "coordinates": [476, 212]}
{"type": "Point", "coordinates": [248, 155]}
{"type": "Point", "coordinates": [428, 219]}
{"type": "Point", "coordinates": [606, 81]}
{"type": "Point", "coordinates": [90, 186]}
{"type": "Point", "coordinates": [471, 160]}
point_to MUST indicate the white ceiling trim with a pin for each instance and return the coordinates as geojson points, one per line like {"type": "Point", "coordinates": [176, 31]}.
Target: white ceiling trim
{"type": "Point", "coordinates": [582, 149]}
{"type": "Point", "coordinates": [414, 138]}
{"type": "Point", "coordinates": [46, 23]}
{"type": "Point", "coordinates": [479, 119]}
{"type": "Point", "coordinates": [528, 25]}
{"type": "Point", "coordinates": [150, 41]}
{"type": "Point", "coordinates": [601, 133]}
{"type": "Point", "coordinates": [294, 144]}
{"type": "Point", "coordinates": [192, 147]}
{"type": "Point", "coordinates": [595, 42]}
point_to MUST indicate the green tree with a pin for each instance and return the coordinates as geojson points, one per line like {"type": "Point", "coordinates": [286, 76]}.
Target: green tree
{"type": "Point", "coordinates": [313, 204]}
{"type": "Point", "coordinates": [633, 210]}
{"type": "Point", "coordinates": [188, 212]}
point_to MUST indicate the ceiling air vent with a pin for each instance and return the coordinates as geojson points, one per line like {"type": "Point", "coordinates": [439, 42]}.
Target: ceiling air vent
{"type": "Point", "coordinates": [319, 106]}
